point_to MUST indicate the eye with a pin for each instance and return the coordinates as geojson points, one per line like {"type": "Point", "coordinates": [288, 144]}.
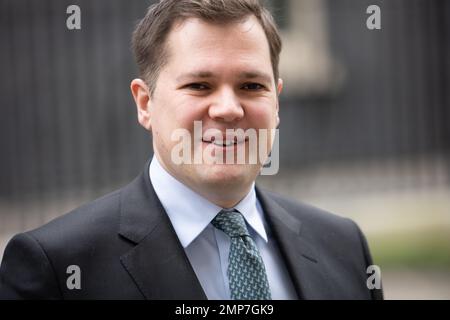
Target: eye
{"type": "Point", "coordinates": [197, 86]}
{"type": "Point", "coordinates": [253, 86]}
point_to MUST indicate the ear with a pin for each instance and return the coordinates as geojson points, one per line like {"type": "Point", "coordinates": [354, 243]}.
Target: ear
{"type": "Point", "coordinates": [142, 98]}
{"type": "Point", "coordinates": [279, 86]}
{"type": "Point", "coordinates": [279, 90]}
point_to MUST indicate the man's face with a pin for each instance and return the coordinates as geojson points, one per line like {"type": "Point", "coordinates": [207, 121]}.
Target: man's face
{"type": "Point", "coordinates": [222, 76]}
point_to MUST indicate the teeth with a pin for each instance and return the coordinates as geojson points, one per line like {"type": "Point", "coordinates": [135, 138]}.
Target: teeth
{"type": "Point", "coordinates": [225, 143]}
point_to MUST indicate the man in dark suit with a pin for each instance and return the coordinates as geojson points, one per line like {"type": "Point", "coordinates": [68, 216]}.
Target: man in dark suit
{"type": "Point", "coordinates": [193, 225]}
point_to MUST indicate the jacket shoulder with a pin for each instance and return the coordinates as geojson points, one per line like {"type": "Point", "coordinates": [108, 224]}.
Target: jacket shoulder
{"type": "Point", "coordinates": [93, 218]}
{"type": "Point", "coordinates": [35, 262]}
{"type": "Point", "coordinates": [338, 238]}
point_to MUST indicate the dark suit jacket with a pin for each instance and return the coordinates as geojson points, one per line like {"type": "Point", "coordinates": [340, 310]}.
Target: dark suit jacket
{"type": "Point", "coordinates": [126, 248]}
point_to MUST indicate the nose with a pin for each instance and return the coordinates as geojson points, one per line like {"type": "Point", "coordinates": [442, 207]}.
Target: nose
{"type": "Point", "coordinates": [226, 106]}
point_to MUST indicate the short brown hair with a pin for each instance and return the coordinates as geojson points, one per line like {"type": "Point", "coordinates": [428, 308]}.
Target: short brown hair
{"type": "Point", "coordinates": [150, 35]}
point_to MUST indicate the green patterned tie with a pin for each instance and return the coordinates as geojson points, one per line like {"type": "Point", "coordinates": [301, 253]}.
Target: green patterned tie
{"type": "Point", "coordinates": [246, 272]}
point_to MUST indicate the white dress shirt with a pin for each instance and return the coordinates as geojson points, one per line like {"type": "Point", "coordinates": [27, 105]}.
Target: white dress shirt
{"type": "Point", "coordinates": [206, 247]}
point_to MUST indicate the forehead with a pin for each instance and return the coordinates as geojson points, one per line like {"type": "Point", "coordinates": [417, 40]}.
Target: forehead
{"type": "Point", "coordinates": [194, 41]}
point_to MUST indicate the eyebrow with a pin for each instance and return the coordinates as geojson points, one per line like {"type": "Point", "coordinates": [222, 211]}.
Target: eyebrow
{"type": "Point", "coordinates": [256, 75]}
{"type": "Point", "coordinates": [207, 74]}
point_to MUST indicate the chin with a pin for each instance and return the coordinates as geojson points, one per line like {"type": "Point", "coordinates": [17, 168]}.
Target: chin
{"type": "Point", "coordinates": [223, 175]}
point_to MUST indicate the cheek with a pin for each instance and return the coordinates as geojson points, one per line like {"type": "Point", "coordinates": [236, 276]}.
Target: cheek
{"type": "Point", "coordinates": [172, 115]}
{"type": "Point", "coordinates": [262, 116]}
{"type": "Point", "coordinates": [186, 110]}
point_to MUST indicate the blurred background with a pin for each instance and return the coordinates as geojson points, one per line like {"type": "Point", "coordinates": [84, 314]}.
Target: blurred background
{"type": "Point", "coordinates": [365, 120]}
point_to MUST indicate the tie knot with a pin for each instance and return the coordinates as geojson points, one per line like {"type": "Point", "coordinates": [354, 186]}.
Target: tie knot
{"type": "Point", "coordinates": [231, 222]}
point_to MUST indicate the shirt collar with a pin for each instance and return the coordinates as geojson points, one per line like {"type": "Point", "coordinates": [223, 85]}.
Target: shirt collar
{"type": "Point", "coordinates": [190, 213]}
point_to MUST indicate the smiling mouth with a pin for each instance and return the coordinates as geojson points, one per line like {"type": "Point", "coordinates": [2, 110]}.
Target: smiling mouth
{"type": "Point", "coordinates": [226, 142]}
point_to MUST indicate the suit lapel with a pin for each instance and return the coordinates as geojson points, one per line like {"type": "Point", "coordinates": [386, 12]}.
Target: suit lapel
{"type": "Point", "coordinates": [158, 263]}
{"type": "Point", "coordinates": [302, 260]}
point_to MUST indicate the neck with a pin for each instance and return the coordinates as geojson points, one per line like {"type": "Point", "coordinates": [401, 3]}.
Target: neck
{"type": "Point", "coordinates": [225, 200]}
